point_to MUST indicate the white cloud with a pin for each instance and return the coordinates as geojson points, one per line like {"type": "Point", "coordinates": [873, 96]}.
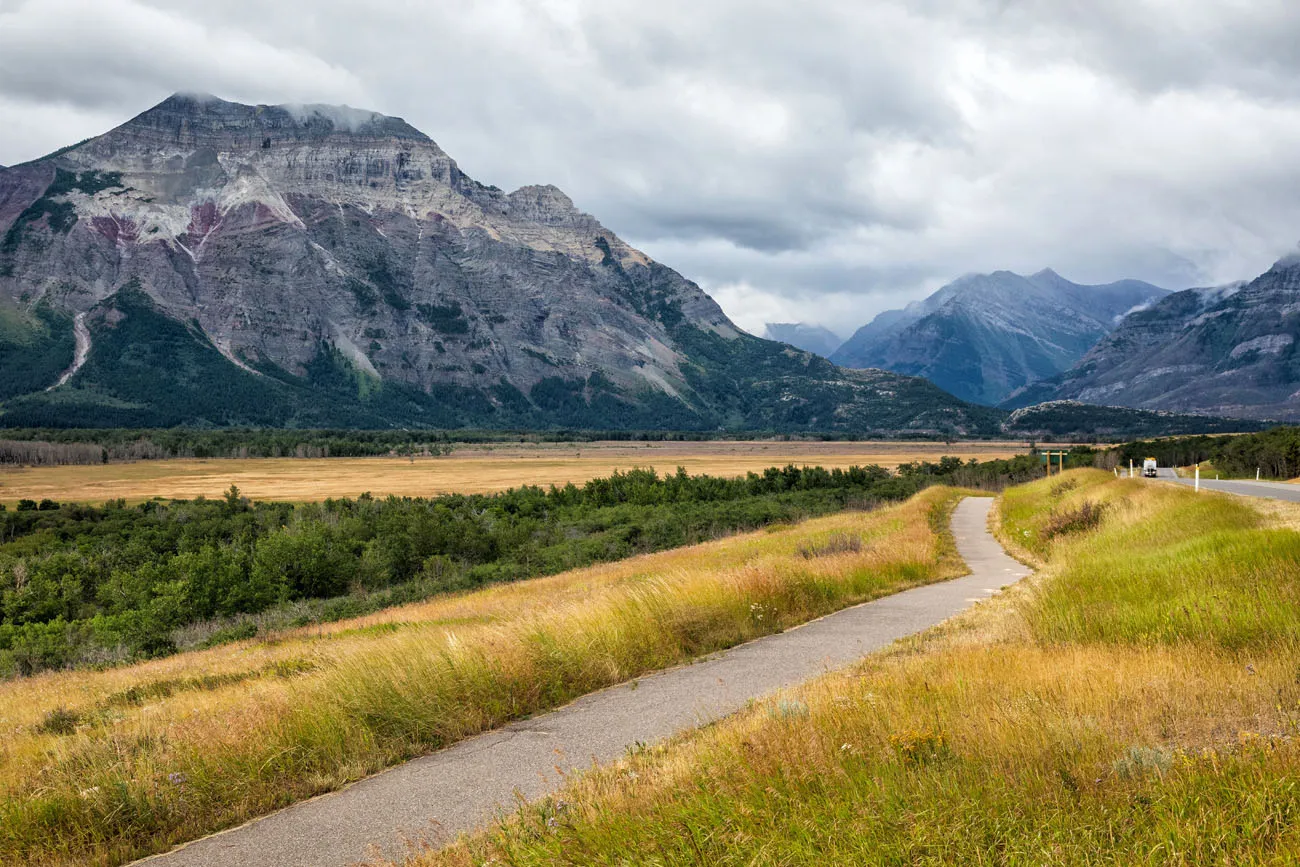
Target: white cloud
{"type": "Point", "coordinates": [818, 161]}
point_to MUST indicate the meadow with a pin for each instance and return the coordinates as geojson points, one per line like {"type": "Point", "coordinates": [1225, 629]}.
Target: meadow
{"type": "Point", "coordinates": [469, 469]}
{"type": "Point", "coordinates": [99, 767]}
{"type": "Point", "coordinates": [1136, 702]}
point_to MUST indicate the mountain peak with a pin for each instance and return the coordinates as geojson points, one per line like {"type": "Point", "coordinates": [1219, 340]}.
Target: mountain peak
{"type": "Point", "coordinates": [201, 119]}
{"type": "Point", "coordinates": [1289, 261]}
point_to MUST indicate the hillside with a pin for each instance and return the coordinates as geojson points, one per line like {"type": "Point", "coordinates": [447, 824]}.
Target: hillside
{"type": "Point", "coordinates": [985, 335]}
{"type": "Point", "coordinates": [1228, 350]}
{"type": "Point", "coordinates": [210, 263]}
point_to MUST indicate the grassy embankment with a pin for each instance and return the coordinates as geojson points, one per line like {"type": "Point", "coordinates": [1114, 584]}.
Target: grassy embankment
{"type": "Point", "coordinates": [1135, 703]}
{"type": "Point", "coordinates": [99, 767]}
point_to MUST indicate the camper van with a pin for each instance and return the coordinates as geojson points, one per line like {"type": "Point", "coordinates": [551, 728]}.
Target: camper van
{"type": "Point", "coordinates": [1149, 468]}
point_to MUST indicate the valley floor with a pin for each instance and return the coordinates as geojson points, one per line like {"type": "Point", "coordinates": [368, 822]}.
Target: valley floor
{"type": "Point", "coordinates": [468, 470]}
{"type": "Point", "coordinates": [1136, 702]}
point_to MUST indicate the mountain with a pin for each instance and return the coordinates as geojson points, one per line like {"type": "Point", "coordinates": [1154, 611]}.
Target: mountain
{"type": "Point", "coordinates": [211, 263]}
{"type": "Point", "coordinates": [983, 336]}
{"type": "Point", "coordinates": [1227, 350]}
{"type": "Point", "coordinates": [809, 338]}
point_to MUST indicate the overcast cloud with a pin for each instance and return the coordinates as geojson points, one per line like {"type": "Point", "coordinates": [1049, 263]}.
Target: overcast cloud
{"type": "Point", "coordinates": [816, 161]}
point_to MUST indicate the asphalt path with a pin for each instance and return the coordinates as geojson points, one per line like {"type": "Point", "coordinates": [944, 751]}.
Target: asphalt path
{"type": "Point", "coordinates": [429, 800]}
{"type": "Point", "coordinates": [1267, 490]}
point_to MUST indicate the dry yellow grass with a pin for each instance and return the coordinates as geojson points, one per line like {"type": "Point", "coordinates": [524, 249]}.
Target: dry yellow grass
{"type": "Point", "coordinates": [985, 741]}
{"type": "Point", "coordinates": [470, 469]}
{"type": "Point", "coordinates": [254, 725]}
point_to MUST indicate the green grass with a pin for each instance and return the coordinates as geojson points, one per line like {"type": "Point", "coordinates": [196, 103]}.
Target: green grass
{"type": "Point", "coordinates": [1137, 703]}
{"type": "Point", "coordinates": [1169, 567]}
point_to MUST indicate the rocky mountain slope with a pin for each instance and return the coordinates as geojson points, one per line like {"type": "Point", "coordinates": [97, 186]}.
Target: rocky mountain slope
{"type": "Point", "coordinates": [809, 338]}
{"type": "Point", "coordinates": [215, 263]}
{"type": "Point", "coordinates": [985, 335]}
{"type": "Point", "coordinates": [1228, 350]}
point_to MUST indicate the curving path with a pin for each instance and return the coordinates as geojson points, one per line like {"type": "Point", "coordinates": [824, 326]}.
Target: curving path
{"type": "Point", "coordinates": [465, 786]}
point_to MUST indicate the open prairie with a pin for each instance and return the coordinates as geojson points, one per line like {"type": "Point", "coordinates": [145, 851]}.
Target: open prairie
{"type": "Point", "coordinates": [470, 469]}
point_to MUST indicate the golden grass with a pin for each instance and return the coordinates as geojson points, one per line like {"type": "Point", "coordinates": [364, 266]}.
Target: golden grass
{"type": "Point", "coordinates": [986, 740]}
{"type": "Point", "coordinates": [253, 726]}
{"type": "Point", "coordinates": [470, 469]}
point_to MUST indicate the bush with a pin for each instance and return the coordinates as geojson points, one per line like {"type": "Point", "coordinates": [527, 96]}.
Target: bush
{"type": "Point", "coordinates": [838, 543]}
{"type": "Point", "coordinates": [1086, 516]}
{"type": "Point", "coordinates": [59, 721]}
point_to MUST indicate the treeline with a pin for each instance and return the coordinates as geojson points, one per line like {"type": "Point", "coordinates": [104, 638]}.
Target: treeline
{"type": "Point", "coordinates": [133, 444]}
{"type": "Point", "coordinates": [1275, 453]}
{"type": "Point", "coordinates": [84, 584]}
{"type": "Point", "coordinates": [36, 453]}
{"type": "Point", "coordinates": [46, 446]}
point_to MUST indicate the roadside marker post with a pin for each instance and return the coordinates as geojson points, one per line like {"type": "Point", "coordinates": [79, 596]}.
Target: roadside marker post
{"type": "Point", "coordinates": [1198, 478]}
{"type": "Point", "coordinates": [1257, 474]}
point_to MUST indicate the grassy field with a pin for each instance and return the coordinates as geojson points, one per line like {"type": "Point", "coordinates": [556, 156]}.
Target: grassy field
{"type": "Point", "coordinates": [470, 469]}
{"type": "Point", "coordinates": [101, 767]}
{"type": "Point", "coordinates": [1138, 702]}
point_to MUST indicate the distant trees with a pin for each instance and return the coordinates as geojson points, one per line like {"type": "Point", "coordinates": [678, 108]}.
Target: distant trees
{"type": "Point", "coordinates": [1274, 452]}
{"type": "Point", "coordinates": [41, 454]}
{"type": "Point", "coordinates": [42, 447]}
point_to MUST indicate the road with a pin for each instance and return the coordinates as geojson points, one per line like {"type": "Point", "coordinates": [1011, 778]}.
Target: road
{"type": "Point", "coordinates": [431, 799]}
{"type": "Point", "coordinates": [1267, 490]}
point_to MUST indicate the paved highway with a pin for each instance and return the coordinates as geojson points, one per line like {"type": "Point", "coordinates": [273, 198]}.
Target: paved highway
{"type": "Point", "coordinates": [1267, 490]}
{"type": "Point", "coordinates": [467, 785]}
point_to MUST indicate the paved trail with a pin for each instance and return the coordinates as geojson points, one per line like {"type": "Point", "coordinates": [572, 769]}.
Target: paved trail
{"type": "Point", "coordinates": [463, 787]}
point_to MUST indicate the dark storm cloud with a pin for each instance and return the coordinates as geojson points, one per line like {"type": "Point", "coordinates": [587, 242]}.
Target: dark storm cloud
{"type": "Point", "coordinates": [816, 161]}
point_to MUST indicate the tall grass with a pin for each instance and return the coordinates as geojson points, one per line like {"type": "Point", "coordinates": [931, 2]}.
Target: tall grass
{"type": "Point", "coordinates": [1084, 719]}
{"type": "Point", "coordinates": [1166, 567]}
{"type": "Point", "coordinates": [181, 756]}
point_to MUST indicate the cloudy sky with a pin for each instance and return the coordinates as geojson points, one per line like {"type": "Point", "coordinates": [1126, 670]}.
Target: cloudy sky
{"type": "Point", "coordinates": [815, 160]}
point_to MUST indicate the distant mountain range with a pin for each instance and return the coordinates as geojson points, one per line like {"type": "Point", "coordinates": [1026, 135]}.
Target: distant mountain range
{"type": "Point", "coordinates": [212, 263]}
{"type": "Point", "coordinates": [984, 336]}
{"type": "Point", "coordinates": [1228, 350]}
{"type": "Point", "coordinates": [809, 338]}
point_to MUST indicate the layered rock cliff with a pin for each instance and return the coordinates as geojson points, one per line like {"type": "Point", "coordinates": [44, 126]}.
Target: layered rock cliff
{"type": "Point", "coordinates": [223, 263]}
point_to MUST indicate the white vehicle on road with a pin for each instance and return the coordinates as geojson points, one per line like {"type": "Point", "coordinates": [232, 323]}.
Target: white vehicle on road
{"type": "Point", "coordinates": [1149, 468]}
